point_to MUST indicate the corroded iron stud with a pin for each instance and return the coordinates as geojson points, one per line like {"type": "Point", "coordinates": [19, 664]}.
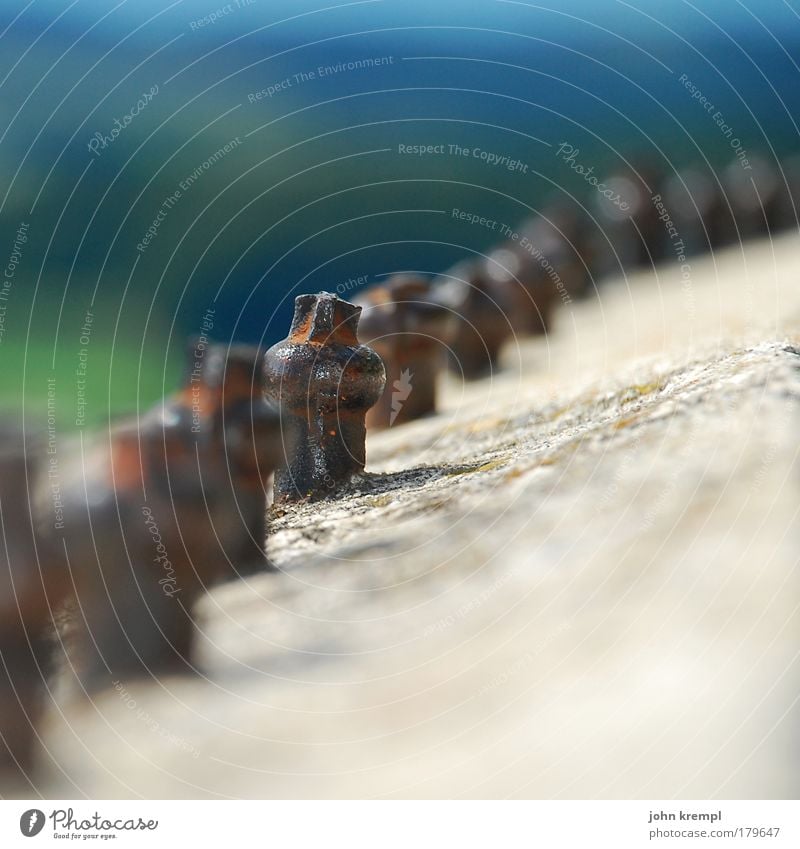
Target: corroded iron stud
{"type": "Point", "coordinates": [324, 382]}
{"type": "Point", "coordinates": [410, 332]}
{"type": "Point", "coordinates": [521, 282]}
{"type": "Point", "coordinates": [696, 215]}
{"type": "Point", "coordinates": [549, 263]}
{"type": "Point", "coordinates": [158, 510]}
{"type": "Point", "coordinates": [754, 196]}
{"type": "Point", "coordinates": [482, 309]}
{"type": "Point", "coordinates": [32, 588]}
{"type": "Point", "coordinates": [633, 234]}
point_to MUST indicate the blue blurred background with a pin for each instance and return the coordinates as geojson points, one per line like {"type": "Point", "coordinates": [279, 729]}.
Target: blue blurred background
{"type": "Point", "coordinates": [293, 179]}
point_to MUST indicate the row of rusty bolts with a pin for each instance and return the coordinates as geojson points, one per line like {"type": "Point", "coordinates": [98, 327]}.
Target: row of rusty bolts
{"type": "Point", "coordinates": [107, 553]}
{"type": "Point", "coordinates": [153, 512]}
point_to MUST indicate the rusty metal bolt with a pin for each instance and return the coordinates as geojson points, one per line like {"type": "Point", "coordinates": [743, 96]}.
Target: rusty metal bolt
{"type": "Point", "coordinates": [575, 255]}
{"type": "Point", "coordinates": [630, 221]}
{"type": "Point", "coordinates": [32, 588]}
{"type": "Point", "coordinates": [525, 286]}
{"type": "Point", "coordinates": [483, 308]}
{"type": "Point", "coordinates": [695, 203]}
{"type": "Point", "coordinates": [158, 510]}
{"type": "Point", "coordinates": [754, 195]}
{"type": "Point", "coordinates": [550, 263]}
{"type": "Point", "coordinates": [231, 398]}
{"type": "Point", "coordinates": [324, 382]}
{"type": "Point", "coordinates": [410, 332]}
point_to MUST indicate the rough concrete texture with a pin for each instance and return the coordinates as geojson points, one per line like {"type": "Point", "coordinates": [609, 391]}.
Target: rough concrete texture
{"type": "Point", "coordinates": [579, 580]}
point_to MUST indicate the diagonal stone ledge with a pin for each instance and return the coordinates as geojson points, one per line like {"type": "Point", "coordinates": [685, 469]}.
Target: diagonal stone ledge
{"type": "Point", "coordinates": [572, 582]}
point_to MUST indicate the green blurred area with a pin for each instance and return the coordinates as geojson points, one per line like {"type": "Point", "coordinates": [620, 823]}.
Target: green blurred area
{"type": "Point", "coordinates": [316, 192]}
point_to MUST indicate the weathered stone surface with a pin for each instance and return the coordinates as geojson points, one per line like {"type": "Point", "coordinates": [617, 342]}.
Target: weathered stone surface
{"type": "Point", "coordinates": [578, 580]}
